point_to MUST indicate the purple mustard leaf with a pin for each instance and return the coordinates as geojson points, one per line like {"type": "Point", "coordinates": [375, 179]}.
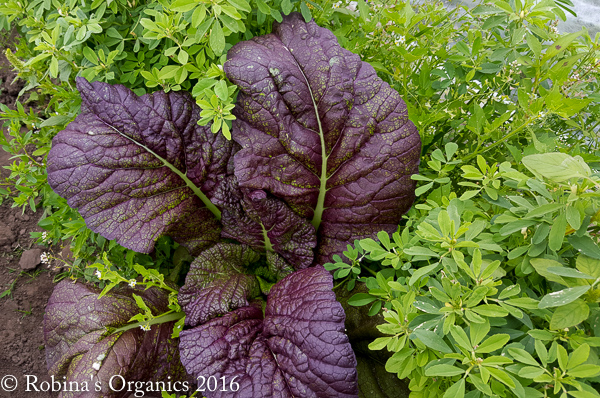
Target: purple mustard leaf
{"type": "Point", "coordinates": [265, 223]}
{"type": "Point", "coordinates": [288, 234]}
{"type": "Point", "coordinates": [216, 283]}
{"type": "Point", "coordinates": [79, 346]}
{"type": "Point", "coordinates": [319, 129]}
{"type": "Point", "coordinates": [299, 349]}
{"type": "Point", "coordinates": [278, 266]}
{"type": "Point", "coordinates": [140, 167]}
{"type": "Point", "coordinates": [214, 347]}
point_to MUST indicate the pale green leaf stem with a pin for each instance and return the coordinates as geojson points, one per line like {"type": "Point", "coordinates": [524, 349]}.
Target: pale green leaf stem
{"type": "Point", "coordinates": [209, 205]}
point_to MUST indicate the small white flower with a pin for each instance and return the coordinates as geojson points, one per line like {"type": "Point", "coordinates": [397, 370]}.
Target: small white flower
{"type": "Point", "coordinates": [132, 283]}
{"type": "Point", "coordinates": [352, 5]}
{"type": "Point", "coordinates": [401, 39]}
{"type": "Point", "coordinates": [96, 365]}
{"type": "Point", "coordinates": [44, 258]}
{"type": "Point", "coordinates": [337, 5]}
{"type": "Point", "coordinates": [44, 236]}
{"type": "Point", "coordinates": [98, 274]}
{"type": "Point", "coordinates": [145, 328]}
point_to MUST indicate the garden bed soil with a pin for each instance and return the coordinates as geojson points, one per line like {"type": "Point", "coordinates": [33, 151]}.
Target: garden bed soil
{"type": "Point", "coordinates": [22, 310]}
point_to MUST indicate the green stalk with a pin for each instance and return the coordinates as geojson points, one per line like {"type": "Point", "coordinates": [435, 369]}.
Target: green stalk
{"type": "Point", "coordinates": [268, 245]}
{"type": "Point", "coordinates": [316, 221]}
{"type": "Point", "coordinates": [209, 205]}
{"type": "Point", "coordinates": [164, 318]}
{"type": "Point", "coordinates": [502, 140]}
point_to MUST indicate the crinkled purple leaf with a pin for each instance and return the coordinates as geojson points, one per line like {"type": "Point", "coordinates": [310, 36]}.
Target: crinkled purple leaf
{"type": "Point", "coordinates": [79, 346]}
{"type": "Point", "coordinates": [266, 223]}
{"type": "Point", "coordinates": [140, 167]}
{"type": "Point", "coordinates": [299, 349]}
{"type": "Point", "coordinates": [278, 266]}
{"type": "Point", "coordinates": [216, 283]}
{"type": "Point", "coordinates": [320, 130]}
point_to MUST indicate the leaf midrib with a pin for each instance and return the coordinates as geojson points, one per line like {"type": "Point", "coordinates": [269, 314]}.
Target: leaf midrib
{"type": "Point", "coordinates": [197, 191]}
{"type": "Point", "coordinates": [320, 207]}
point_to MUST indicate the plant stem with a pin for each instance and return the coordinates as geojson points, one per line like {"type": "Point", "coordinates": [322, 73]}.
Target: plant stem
{"type": "Point", "coordinates": [169, 316]}
{"type": "Point", "coordinates": [502, 140]}
{"type": "Point", "coordinates": [209, 205]}
{"type": "Point", "coordinates": [341, 283]}
{"type": "Point", "coordinates": [370, 270]}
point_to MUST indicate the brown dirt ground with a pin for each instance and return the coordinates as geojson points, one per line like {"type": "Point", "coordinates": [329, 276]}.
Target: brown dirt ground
{"type": "Point", "coordinates": [22, 311]}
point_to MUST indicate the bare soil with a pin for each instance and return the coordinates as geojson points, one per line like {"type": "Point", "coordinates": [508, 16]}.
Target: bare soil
{"type": "Point", "coordinates": [22, 310]}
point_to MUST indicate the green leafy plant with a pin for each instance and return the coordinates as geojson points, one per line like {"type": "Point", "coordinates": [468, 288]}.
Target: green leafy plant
{"type": "Point", "coordinates": [475, 303]}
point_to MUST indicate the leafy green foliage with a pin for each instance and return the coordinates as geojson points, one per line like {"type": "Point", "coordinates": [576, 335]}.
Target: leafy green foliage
{"type": "Point", "coordinates": [474, 296]}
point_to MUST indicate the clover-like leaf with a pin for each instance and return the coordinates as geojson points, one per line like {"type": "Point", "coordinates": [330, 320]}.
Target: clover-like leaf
{"type": "Point", "coordinates": [137, 168]}
{"type": "Point", "coordinates": [557, 166]}
{"type": "Point", "coordinates": [297, 349]}
{"type": "Point", "coordinates": [319, 129]}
